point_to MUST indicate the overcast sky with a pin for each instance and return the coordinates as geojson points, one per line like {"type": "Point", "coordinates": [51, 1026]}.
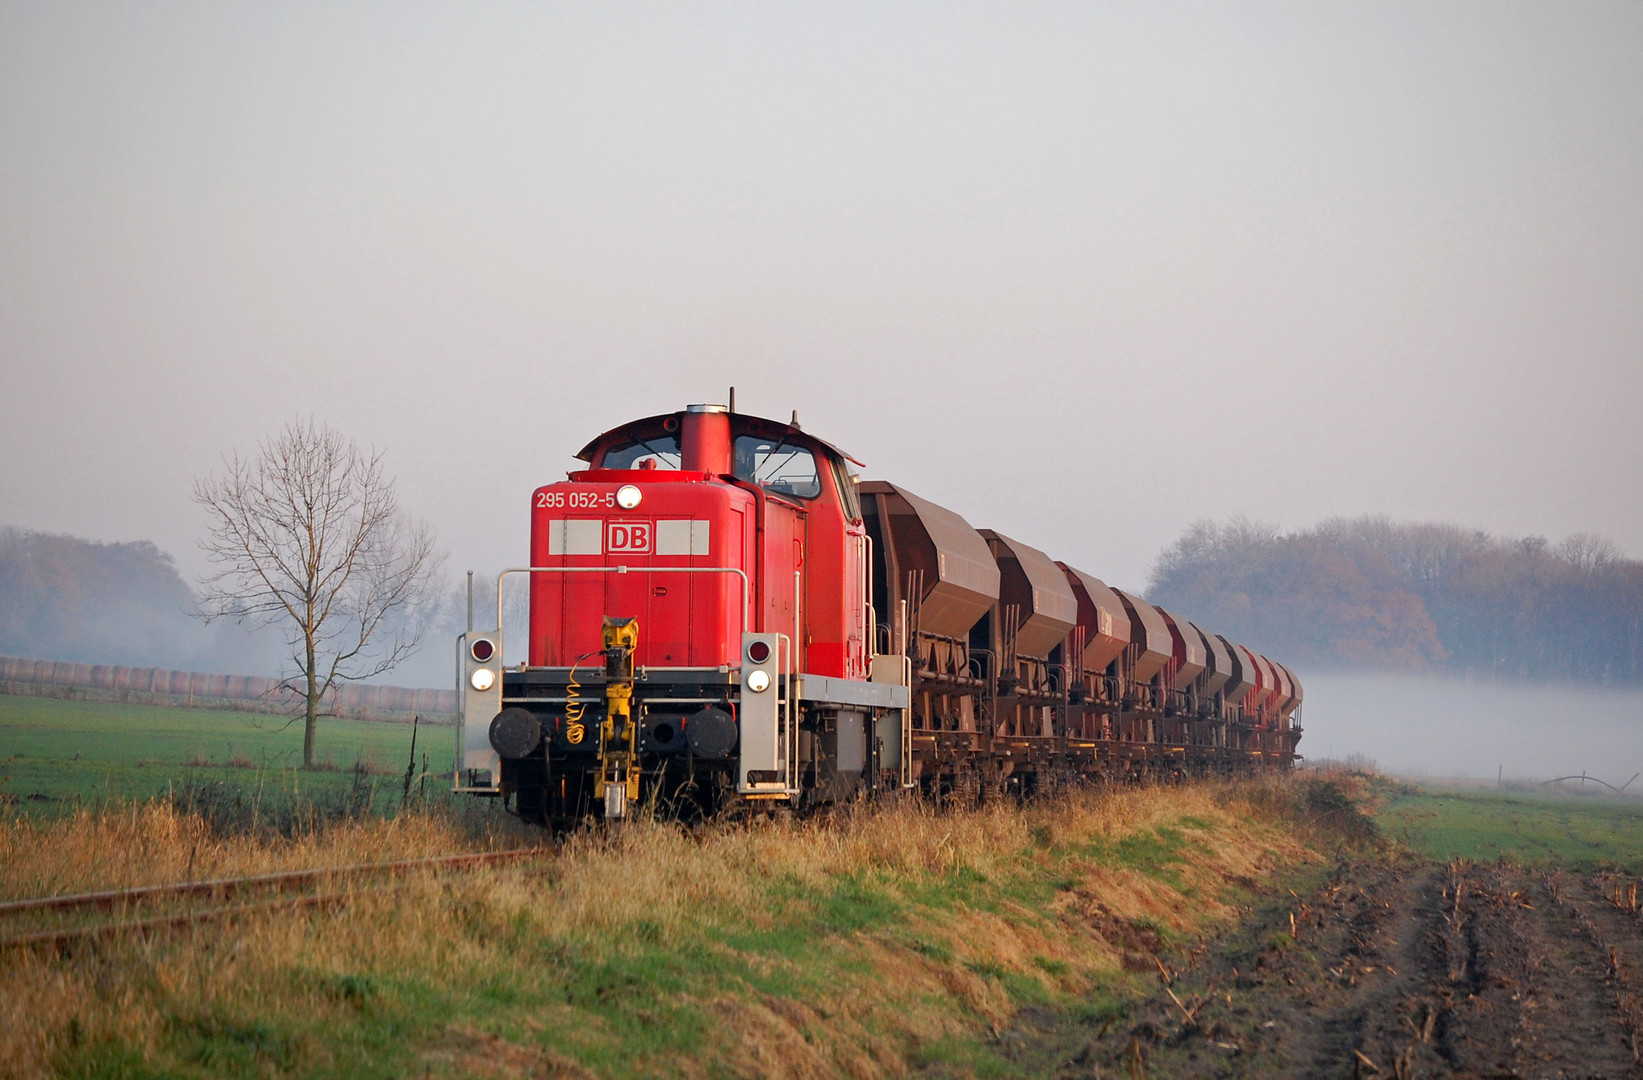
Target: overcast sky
{"type": "Point", "coordinates": [1083, 273]}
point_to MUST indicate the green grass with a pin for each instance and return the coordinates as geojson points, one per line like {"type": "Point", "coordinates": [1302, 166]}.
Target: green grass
{"type": "Point", "coordinates": [1158, 853]}
{"type": "Point", "coordinates": [855, 948]}
{"type": "Point", "coordinates": [1579, 833]}
{"type": "Point", "coordinates": [848, 941]}
{"type": "Point", "coordinates": [56, 754]}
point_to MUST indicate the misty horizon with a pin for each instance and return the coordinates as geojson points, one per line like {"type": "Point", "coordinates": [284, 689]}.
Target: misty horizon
{"type": "Point", "coordinates": [164, 627]}
{"type": "Point", "coordinates": [1447, 727]}
{"type": "Point", "coordinates": [1437, 724]}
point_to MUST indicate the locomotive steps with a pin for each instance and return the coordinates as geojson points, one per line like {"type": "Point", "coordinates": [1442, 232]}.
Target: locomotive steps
{"type": "Point", "coordinates": [891, 939]}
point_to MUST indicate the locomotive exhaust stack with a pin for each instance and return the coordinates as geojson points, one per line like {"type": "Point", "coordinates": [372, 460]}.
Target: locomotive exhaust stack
{"type": "Point", "coordinates": [704, 439]}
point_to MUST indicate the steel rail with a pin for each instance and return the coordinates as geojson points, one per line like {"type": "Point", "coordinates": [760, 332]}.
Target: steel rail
{"type": "Point", "coordinates": [228, 886]}
{"type": "Point", "coordinates": [63, 936]}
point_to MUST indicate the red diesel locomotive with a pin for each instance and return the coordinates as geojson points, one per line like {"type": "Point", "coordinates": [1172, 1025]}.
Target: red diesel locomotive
{"type": "Point", "coordinates": [722, 613]}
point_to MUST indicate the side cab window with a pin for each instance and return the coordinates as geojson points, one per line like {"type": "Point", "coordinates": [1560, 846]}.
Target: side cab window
{"type": "Point", "coordinates": [849, 493]}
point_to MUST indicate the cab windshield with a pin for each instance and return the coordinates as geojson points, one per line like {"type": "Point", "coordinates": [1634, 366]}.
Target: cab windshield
{"type": "Point", "coordinates": [779, 467]}
{"type": "Point", "coordinates": [662, 452]}
{"type": "Point", "coordinates": [776, 466]}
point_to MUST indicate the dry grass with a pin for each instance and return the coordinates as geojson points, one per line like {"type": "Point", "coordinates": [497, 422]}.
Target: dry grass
{"type": "Point", "coordinates": [156, 843]}
{"type": "Point", "coordinates": [846, 948]}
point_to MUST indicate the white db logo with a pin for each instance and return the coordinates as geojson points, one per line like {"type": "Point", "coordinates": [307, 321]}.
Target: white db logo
{"type": "Point", "coordinates": [629, 537]}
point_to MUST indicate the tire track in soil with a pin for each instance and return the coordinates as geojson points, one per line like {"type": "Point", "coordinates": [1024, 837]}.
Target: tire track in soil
{"type": "Point", "coordinates": [1388, 970]}
{"type": "Point", "coordinates": [1614, 936]}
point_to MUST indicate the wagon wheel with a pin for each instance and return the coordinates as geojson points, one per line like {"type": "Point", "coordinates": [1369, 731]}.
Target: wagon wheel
{"type": "Point", "coordinates": [993, 784]}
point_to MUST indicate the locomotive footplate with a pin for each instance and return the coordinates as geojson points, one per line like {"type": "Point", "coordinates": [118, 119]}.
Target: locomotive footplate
{"type": "Point", "coordinates": [545, 683]}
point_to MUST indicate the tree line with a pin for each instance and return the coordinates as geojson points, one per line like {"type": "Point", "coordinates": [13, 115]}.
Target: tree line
{"type": "Point", "coordinates": [1371, 592]}
{"type": "Point", "coordinates": [66, 598]}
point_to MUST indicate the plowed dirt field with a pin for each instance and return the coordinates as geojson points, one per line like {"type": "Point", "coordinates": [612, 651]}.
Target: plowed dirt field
{"type": "Point", "coordinates": [1388, 969]}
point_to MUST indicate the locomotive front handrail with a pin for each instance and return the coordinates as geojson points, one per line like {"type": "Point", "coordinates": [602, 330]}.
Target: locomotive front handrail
{"type": "Point", "coordinates": [738, 571]}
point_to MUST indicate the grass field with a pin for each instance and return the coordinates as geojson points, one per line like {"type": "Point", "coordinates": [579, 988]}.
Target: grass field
{"type": "Point", "coordinates": [899, 939]}
{"type": "Point", "coordinates": [57, 754]}
{"type": "Point", "coordinates": [895, 939]}
{"type": "Point", "coordinates": [1576, 833]}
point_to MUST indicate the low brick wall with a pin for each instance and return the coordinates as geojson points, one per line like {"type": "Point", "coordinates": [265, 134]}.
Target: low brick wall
{"type": "Point", "coordinates": [193, 689]}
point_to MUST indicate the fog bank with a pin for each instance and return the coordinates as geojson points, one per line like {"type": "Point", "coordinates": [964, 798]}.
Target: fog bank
{"type": "Point", "coordinates": [1443, 727]}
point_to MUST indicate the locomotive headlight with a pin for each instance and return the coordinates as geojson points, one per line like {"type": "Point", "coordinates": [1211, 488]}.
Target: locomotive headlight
{"type": "Point", "coordinates": [758, 681]}
{"type": "Point", "coordinates": [482, 679]}
{"type": "Point", "coordinates": [628, 496]}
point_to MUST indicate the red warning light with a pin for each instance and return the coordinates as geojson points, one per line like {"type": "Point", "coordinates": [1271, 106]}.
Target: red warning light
{"type": "Point", "coordinates": [759, 652]}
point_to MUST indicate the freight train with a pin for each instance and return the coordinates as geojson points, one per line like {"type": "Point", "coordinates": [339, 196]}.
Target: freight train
{"type": "Point", "coordinates": [722, 614]}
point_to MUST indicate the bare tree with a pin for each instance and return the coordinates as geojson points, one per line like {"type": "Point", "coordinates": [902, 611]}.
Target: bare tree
{"type": "Point", "coordinates": [308, 536]}
{"type": "Point", "coordinates": [1587, 551]}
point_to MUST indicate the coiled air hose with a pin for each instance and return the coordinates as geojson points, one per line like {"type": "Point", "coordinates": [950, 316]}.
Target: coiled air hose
{"type": "Point", "coordinates": [575, 730]}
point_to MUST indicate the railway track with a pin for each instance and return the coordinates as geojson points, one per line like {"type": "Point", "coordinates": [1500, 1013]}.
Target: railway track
{"type": "Point", "coordinates": [217, 890]}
